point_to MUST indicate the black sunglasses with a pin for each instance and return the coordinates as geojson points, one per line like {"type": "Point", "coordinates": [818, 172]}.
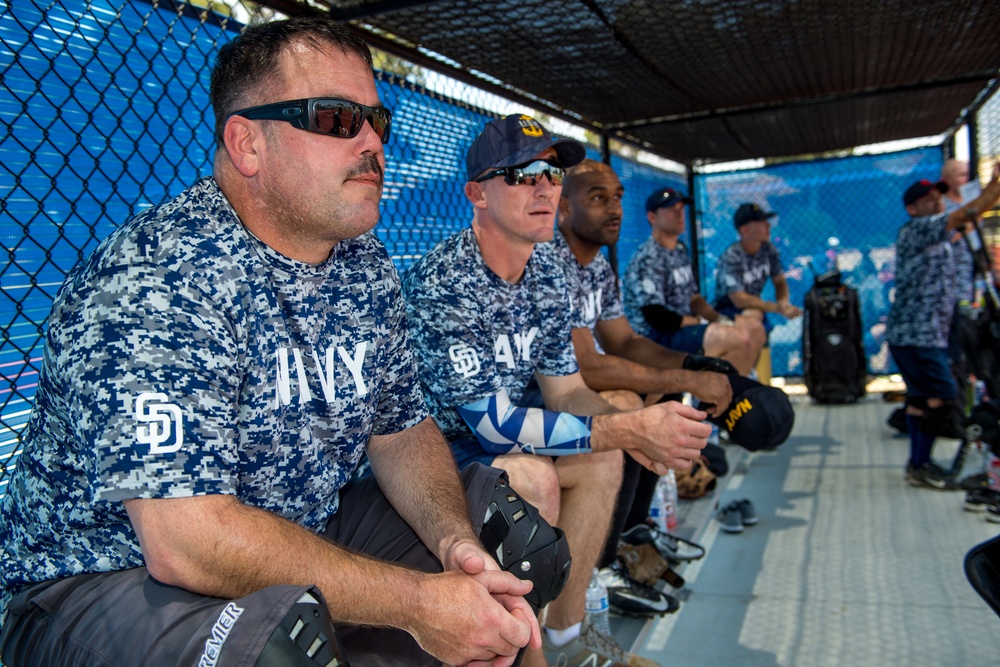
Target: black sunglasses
{"type": "Point", "coordinates": [530, 173]}
{"type": "Point", "coordinates": [324, 115]}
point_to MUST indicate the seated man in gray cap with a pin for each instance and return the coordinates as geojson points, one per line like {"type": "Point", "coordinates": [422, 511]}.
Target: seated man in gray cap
{"type": "Point", "coordinates": [489, 311]}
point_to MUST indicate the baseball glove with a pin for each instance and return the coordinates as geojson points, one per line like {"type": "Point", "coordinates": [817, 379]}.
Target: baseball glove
{"type": "Point", "coordinates": [695, 482]}
{"type": "Point", "coordinates": [645, 564]}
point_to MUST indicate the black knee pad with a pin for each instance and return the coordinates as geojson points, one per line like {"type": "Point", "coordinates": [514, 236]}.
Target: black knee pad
{"type": "Point", "coordinates": [984, 424]}
{"type": "Point", "coordinates": [934, 421]}
{"type": "Point", "coordinates": [525, 545]}
{"type": "Point", "coordinates": [304, 638]}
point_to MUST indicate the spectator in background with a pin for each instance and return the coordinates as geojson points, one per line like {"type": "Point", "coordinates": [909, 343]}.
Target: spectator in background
{"type": "Point", "coordinates": [920, 319]}
{"type": "Point", "coordinates": [743, 271]}
{"type": "Point", "coordinates": [874, 302]}
{"type": "Point", "coordinates": [490, 311]}
{"type": "Point", "coordinates": [962, 338]}
{"type": "Point", "coordinates": [183, 495]}
{"type": "Point", "coordinates": [662, 300]}
{"type": "Point", "coordinates": [955, 174]}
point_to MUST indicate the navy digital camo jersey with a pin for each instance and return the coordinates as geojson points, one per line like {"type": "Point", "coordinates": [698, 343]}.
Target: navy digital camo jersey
{"type": "Point", "coordinates": [925, 284]}
{"type": "Point", "coordinates": [593, 289]}
{"type": "Point", "coordinates": [740, 272]}
{"type": "Point", "coordinates": [475, 334]}
{"type": "Point", "coordinates": [658, 276]}
{"type": "Point", "coordinates": [184, 358]}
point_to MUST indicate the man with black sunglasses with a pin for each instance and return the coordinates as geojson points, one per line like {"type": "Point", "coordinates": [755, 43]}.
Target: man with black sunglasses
{"type": "Point", "coordinates": [212, 376]}
{"type": "Point", "coordinates": [490, 312]}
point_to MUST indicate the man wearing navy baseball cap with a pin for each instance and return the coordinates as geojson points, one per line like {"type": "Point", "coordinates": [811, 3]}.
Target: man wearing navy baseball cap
{"type": "Point", "coordinates": [665, 197]}
{"type": "Point", "coordinates": [920, 319]}
{"type": "Point", "coordinates": [515, 141]}
{"type": "Point", "coordinates": [743, 271]}
{"type": "Point", "coordinates": [489, 312]}
{"type": "Point", "coordinates": [661, 295]}
{"type": "Point", "coordinates": [921, 189]}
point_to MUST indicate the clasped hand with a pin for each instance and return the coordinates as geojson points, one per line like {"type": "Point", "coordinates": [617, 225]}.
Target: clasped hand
{"type": "Point", "coordinates": [477, 613]}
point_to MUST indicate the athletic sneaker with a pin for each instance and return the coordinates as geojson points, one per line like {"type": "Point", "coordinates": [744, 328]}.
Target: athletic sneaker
{"type": "Point", "coordinates": [747, 511]}
{"type": "Point", "coordinates": [592, 647]}
{"type": "Point", "coordinates": [993, 513]}
{"type": "Point", "coordinates": [731, 518]}
{"type": "Point", "coordinates": [671, 547]}
{"type": "Point", "coordinates": [628, 597]}
{"type": "Point", "coordinates": [981, 480]}
{"type": "Point", "coordinates": [977, 500]}
{"type": "Point", "coordinates": [930, 477]}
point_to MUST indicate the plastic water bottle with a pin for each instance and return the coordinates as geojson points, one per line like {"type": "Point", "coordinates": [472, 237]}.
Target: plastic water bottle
{"type": "Point", "coordinates": [663, 508]}
{"type": "Point", "coordinates": [670, 506]}
{"type": "Point", "coordinates": [597, 604]}
{"type": "Point", "coordinates": [979, 395]}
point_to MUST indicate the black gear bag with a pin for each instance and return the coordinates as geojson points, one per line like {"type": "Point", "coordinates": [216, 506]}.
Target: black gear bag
{"type": "Point", "coordinates": [833, 357]}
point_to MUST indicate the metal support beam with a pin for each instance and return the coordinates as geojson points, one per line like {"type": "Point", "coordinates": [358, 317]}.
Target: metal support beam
{"type": "Point", "coordinates": [606, 159]}
{"type": "Point", "coordinates": [973, 146]}
{"type": "Point", "coordinates": [981, 78]}
{"type": "Point", "coordinates": [373, 9]}
{"type": "Point", "coordinates": [694, 230]}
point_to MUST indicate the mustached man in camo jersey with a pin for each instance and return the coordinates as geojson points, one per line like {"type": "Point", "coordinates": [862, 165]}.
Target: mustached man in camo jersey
{"type": "Point", "coordinates": [490, 312]}
{"type": "Point", "coordinates": [212, 375]}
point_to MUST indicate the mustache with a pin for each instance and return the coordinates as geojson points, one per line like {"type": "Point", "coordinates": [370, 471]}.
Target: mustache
{"type": "Point", "coordinates": [368, 165]}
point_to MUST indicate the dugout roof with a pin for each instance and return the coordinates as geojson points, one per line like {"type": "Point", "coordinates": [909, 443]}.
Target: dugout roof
{"type": "Point", "coordinates": [710, 80]}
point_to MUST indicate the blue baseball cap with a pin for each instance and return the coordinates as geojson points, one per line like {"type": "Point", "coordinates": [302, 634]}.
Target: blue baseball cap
{"type": "Point", "coordinates": [920, 189]}
{"type": "Point", "coordinates": [514, 140]}
{"type": "Point", "coordinates": [665, 197]}
{"type": "Point", "coordinates": [748, 212]}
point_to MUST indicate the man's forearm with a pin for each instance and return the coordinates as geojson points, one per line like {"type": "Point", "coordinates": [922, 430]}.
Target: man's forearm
{"type": "Point", "coordinates": [218, 546]}
{"type": "Point", "coordinates": [642, 350]}
{"type": "Point", "coordinates": [608, 372]}
{"type": "Point", "coordinates": [984, 202]}
{"type": "Point", "coordinates": [702, 308]}
{"type": "Point", "coordinates": [433, 502]}
{"type": "Point", "coordinates": [744, 301]}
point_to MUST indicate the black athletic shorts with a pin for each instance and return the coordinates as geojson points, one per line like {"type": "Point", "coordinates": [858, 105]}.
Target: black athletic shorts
{"type": "Point", "coordinates": [128, 619]}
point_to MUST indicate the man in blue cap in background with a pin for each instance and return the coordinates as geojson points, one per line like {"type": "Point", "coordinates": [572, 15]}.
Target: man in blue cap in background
{"type": "Point", "coordinates": [744, 269]}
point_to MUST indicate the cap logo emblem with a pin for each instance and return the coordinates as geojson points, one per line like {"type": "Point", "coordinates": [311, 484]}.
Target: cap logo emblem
{"type": "Point", "coordinates": [530, 127]}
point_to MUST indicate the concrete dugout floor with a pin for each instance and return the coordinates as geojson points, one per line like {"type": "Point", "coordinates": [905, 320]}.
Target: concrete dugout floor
{"type": "Point", "coordinates": [849, 565]}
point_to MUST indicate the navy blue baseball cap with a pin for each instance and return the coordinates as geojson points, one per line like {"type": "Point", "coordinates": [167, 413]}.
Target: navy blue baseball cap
{"type": "Point", "coordinates": [514, 140]}
{"type": "Point", "coordinates": [665, 197]}
{"type": "Point", "coordinates": [920, 189]}
{"type": "Point", "coordinates": [748, 212]}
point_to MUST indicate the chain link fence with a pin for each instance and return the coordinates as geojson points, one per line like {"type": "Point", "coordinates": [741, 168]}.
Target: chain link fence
{"type": "Point", "coordinates": [987, 147]}
{"type": "Point", "coordinates": [104, 112]}
{"type": "Point", "coordinates": [832, 214]}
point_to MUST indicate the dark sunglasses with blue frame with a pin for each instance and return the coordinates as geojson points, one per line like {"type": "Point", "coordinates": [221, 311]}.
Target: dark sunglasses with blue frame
{"type": "Point", "coordinates": [324, 115]}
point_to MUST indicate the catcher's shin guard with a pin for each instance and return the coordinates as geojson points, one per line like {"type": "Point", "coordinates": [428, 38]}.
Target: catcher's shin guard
{"type": "Point", "coordinates": [524, 544]}
{"type": "Point", "coordinates": [304, 638]}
